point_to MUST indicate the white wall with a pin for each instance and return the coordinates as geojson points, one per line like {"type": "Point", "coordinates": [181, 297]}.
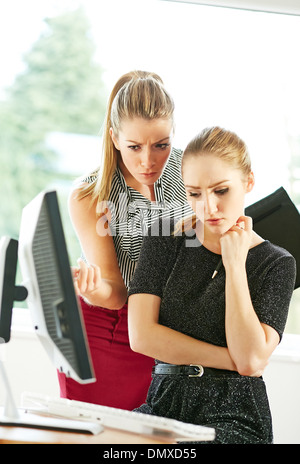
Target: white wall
{"type": "Point", "coordinates": [282, 377]}
{"type": "Point", "coordinates": [29, 369]}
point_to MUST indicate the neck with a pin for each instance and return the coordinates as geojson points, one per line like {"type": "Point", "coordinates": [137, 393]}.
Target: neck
{"type": "Point", "coordinates": [210, 241]}
{"type": "Point", "coordinates": [213, 246]}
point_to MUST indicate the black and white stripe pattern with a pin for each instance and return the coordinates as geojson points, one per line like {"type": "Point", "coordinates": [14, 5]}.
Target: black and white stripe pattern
{"type": "Point", "coordinates": [133, 214]}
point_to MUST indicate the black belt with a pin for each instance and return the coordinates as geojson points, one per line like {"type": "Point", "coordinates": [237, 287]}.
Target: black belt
{"type": "Point", "coordinates": [192, 370]}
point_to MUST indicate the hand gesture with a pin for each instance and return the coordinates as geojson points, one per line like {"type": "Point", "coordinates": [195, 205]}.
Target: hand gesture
{"type": "Point", "coordinates": [235, 243]}
{"type": "Point", "coordinates": [87, 278]}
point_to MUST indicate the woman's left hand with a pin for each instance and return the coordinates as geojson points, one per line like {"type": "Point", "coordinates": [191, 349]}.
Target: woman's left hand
{"type": "Point", "coordinates": [235, 243]}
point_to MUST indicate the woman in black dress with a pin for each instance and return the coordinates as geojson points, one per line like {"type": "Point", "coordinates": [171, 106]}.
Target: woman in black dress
{"type": "Point", "coordinates": [212, 334]}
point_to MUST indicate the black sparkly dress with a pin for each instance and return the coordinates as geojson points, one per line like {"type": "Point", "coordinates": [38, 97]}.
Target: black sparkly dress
{"type": "Point", "coordinates": [179, 270]}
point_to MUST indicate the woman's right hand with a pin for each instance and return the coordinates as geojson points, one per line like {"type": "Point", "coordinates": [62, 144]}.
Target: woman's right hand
{"type": "Point", "coordinates": [87, 279]}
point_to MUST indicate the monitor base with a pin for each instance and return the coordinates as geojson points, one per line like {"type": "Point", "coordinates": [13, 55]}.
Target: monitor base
{"type": "Point", "coordinates": [11, 416]}
{"type": "Point", "coordinates": [36, 421]}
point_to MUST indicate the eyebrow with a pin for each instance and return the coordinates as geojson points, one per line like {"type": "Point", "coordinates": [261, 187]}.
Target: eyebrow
{"type": "Point", "coordinates": [211, 186]}
{"type": "Point", "coordinates": [138, 143]}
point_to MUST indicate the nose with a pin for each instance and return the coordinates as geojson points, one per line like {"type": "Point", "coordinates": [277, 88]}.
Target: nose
{"type": "Point", "coordinates": [210, 205]}
{"type": "Point", "coordinates": [147, 159]}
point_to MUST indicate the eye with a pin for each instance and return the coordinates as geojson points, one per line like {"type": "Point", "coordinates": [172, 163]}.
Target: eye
{"type": "Point", "coordinates": [133, 147]}
{"type": "Point", "coordinates": [162, 146]}
{"type": "Point", "coordinates": [221, 191]}
{"type": "Point", "coordinates": [194, 194]}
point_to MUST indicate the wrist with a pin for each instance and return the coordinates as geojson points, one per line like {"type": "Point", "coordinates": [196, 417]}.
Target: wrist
{"type": "Point", "coordinates": [107, 296]}
{"type": "Point", "coordinates": [235, 268]}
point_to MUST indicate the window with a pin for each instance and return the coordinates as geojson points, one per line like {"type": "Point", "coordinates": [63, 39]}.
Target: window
{"type": "Point", "coordinates": [234, 68]}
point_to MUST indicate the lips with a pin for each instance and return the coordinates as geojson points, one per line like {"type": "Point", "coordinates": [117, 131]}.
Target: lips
{"type": "Point", "coordinates": [215, 221]}
{"type": "Point", "coordinates": [148, 174]}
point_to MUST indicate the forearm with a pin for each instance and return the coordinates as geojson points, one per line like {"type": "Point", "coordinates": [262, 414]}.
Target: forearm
{"type": "Point", "coordinates": [109, 295]}
{"type": "Point", "coordinates": [170, 346]}
{"type": "Point", "coordinates": [246, 338]}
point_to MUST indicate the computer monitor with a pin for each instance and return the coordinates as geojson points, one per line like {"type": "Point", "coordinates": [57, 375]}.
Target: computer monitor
{"type": "Point", "coordinates": [46, 271]}
{"type": "Point", "coordinates": [49, 292]}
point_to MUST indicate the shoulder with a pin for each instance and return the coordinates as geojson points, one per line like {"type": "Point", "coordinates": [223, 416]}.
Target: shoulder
{"type": "Point", "coordinates": [157, 257]}
{"type": "Point", "coordinates": [274, 252]}
{"type": "Point", "coordinates": [175, 157]}
{"type": "Point", "coordinates": [268, 257]}
{"type": "Point", "coordinates": [177, 153]}
{"type": "Point", "coordinates": [90, 178]}
{"type": "Point", "coordinates": [161, 238]}
{"type": "Point", "coordinates": [172, 179]}
{"type": "Point", "coordinates": [287, 260]}
{"type": "Point", "coordinates": [80, 205]}
{"type": "Point", "coordinates": [268, 249]}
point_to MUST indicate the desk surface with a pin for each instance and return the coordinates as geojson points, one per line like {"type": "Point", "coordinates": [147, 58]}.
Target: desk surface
{"type": "Point", "coordinates": [24, 435]}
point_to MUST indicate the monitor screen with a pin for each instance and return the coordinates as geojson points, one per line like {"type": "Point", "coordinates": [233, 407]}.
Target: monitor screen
{"type": "Point", "coordinates": [55, 311]}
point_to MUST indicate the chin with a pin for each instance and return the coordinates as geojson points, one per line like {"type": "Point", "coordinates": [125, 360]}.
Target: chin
{"type": "Point", "coordinates": [217, 230]}
{"type": "Point", "coordinates": [150, 181]}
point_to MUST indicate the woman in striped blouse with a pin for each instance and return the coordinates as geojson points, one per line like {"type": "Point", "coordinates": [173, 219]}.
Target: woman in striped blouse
{"type": "Point", "coordinates": [138, 181]}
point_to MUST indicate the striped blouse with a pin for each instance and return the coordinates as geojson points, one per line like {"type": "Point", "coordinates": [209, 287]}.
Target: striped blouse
{"type": "Point", "coordinates": [133, 214]}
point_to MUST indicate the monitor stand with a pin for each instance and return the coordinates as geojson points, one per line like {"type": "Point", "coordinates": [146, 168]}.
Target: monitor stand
{"type": "Point", "coordinates": [11, 416]}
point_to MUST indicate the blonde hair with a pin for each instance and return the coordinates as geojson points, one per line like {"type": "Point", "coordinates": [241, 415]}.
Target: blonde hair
{"type": "Point", "coordinates": [222, 144]}
{"type": "Point", "coordinates": [136, 94]}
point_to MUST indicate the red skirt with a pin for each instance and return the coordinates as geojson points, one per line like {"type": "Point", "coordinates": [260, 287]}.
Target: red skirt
{"type": "Point", "coordinates": [122, 376]}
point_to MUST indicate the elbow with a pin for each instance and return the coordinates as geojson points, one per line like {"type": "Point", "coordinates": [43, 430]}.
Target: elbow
{"type": "Point", "coordinates": [118, 303]}
{"type": "Point", "coordinates": [116, 299]}
{"type": "Point", "coordinates": [246, 370]}
{"type": "Point", "coordinates": [251, 367]}
{"type": "Point", "coordinates": [137, 344]}
{"type": "Point", "coordinates": [135, 347]}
